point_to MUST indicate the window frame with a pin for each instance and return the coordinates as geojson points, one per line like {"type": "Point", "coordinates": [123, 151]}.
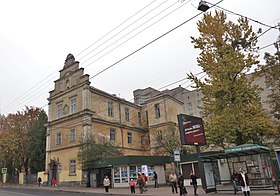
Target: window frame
{"type": "Point", "coordinates": [126, 114]}
{"type": "Point", "coordinates": [157, 110]}
{"type": "Point", "coordinates": [110, 108]}
{"type": "Point", "coordinates": [72, 167]}
{"type": "Point", "coordinates": [129, 137]}
{"type": "Point", "coordinates": [72, 135]}
{"type": "Point", "coordinates": [73, 105]}
{"type": "Point", "coordinates": [59, 110]}
{"type": "Point", "coordinates": [58, 138]}
{"type": "Point", "coordinates": [113, 134]}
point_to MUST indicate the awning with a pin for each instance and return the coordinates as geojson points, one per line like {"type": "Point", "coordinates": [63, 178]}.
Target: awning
{"type": "Point", "coordinates": [238, 151]}
{"type": "Point", "coordinates": [130, 160]}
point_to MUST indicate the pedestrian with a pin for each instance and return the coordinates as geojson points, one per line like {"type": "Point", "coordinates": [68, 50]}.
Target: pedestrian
{"type": "Point", "coordinates": [140, 183]}
{"type": "Point", "coordinates": [54, 182]}
{"type": "Point", "coordinates": [106, 183]}
{"type": "Point", "coordinates": [234, 179]}
{"type": "Point", "coordinates": [193, 182]}
{"type": "Point", "coordinates": [145, 181]}
{"type": "Point", "coordinates": [182, 189]}
{"type": "Point", "coordinates": [173, 181]}
{"type": "Point", "coordinates": [244, 182]}
{"type": "Point", "coordinates": [39, 181]}
{"type": "Point", "coordinates": [155, 177]}
{"type": "Point", "coordinates": [132, 186]}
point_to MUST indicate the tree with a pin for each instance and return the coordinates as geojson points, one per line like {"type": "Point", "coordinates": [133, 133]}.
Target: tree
{"type": "Point", "coordinates": [96, 148]}
{"type": "Point", "coordinates": [15, 138]}
{"type": "Point", "coordinates": [169, 140]}
{"type": "Point", "coordinates": [37, 143]}
{"type": "Point", "coordinates": [271, 70]}
{"type": "Point", "coordinates": [231, 104]}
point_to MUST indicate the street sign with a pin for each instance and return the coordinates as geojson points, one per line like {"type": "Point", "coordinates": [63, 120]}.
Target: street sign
{"type": "Point", "coordinates": [4, 170]}
{"type": "Point", "coordinates": [176, 153]}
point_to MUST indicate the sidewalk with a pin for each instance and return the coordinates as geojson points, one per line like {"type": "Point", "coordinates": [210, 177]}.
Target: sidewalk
{"type": "Point", "coordinates": [162, 191]}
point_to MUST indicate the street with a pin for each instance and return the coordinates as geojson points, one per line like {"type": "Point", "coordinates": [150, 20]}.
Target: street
{"type": "Point", "coordinates": [33, 190]}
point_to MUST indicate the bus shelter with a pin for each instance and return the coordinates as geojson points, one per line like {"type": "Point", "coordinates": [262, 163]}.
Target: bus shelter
{"type": "Point", "coordinates": [255, 159]}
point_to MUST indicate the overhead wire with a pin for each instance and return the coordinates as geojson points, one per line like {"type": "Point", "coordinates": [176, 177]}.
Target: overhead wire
{"type": "Point", "coordinates": [24, 94]}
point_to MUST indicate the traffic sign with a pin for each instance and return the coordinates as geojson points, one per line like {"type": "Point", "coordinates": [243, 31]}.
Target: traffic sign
{"type": "Point", "coordinates": [4, 170]}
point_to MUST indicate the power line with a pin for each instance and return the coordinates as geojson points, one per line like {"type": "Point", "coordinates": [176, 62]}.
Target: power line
{"type": "Point", "coordinates": [133, 35]}
{"type": "Point", "coordinates": [119, 31]}
{"type": "Point", "coordinates": [149, 43]}
{"type": "Point", "coordinates": [115, 28]}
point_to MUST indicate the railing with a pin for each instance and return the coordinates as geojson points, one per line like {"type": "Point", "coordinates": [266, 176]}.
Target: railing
{"type": "Point", "coordinates": [255, 184]}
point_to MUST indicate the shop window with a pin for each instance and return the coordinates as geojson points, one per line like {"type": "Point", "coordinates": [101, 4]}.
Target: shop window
{"type": "Point", "coordinates": [117, 176]}
{"type": "Point", "coordinates": [124, 174]}
{"type": "Point", "coordinates": [132, 172]}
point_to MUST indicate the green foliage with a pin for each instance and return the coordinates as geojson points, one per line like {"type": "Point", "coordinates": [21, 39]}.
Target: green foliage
{"type": "Point", "coordinates": [37, 144]}
{"type": "Point", "coordinates": [97, 148]}
{"type": "Point", "coordinates": [231, 105]}
{"type": "Point", "coordinates": [15, 138]}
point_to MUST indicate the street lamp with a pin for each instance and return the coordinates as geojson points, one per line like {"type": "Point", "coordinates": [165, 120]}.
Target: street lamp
{"type": "Point", "coordinates": [203, 6]}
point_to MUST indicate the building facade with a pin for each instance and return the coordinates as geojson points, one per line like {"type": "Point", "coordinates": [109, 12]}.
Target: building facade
{"type": "Point", "coordinates": [78, 110]}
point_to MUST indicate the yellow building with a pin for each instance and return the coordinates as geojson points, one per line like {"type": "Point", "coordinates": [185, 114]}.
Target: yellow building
{"type": "Point", "coordinates": [77, 110]}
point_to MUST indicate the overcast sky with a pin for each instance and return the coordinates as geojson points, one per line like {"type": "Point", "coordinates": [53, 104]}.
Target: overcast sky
{"type": "Point", "coordinates": [36, 36]}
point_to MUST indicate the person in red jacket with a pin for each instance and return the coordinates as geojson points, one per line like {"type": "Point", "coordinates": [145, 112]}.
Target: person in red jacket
{"type": "Point", "coordinates": [244, 182]}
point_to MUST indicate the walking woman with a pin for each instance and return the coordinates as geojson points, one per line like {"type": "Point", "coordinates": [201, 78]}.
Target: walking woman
{"type": "Point", "coordinates": [106, 183]}
{"type": "Point", "coordinates": [244, 182]}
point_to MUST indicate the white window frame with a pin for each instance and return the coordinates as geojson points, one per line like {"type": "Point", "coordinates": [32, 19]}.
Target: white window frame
{"type": "Point", "coordinates": [58, 138]}
{"type": "Point", "coordinates": [126, 114]}
{"type": "Point", "coordinates": [59, 110]}
{"type": "Point", "coordinates": [112, 134]}
{"type": "Point", "coordinates": [72, 167]}
{"type": "Point", "coordinates": [72, 135]}
{"type": "Point", "coordinates": [73, 105]}
{"type": "Point", "coordinates": [110, 108]}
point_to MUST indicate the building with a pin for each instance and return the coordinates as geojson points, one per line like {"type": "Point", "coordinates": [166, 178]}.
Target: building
{"type": "Point", "coordinates": [77, 110]}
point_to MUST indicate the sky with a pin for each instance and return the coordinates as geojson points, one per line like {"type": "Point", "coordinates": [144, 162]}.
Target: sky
{"type": "Point", "coordinates": [137, 39]}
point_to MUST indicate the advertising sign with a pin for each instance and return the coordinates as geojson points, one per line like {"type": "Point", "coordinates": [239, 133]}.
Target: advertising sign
{"type": "Point", "coordinates": [191, 130]}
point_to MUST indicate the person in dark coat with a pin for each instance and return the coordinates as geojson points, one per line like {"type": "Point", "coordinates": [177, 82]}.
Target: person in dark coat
{"type": "Point", "coordinates": [156, 179]}
{"type": "Point", "coordinates": [244, 182]}
{"type": "Point", "coordinates": [182, 189]}
{"type": "Point", "coordinates": [39, 181]}
{"type": "Point", "coordinates": [193, 182]}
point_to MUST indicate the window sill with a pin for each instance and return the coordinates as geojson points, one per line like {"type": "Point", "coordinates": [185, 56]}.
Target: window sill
{"type": "Point", "coordinates": [72, 175]}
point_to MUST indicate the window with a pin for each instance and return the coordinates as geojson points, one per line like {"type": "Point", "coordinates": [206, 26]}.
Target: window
{"type": "Point", "coordinates": [59, 110]}
{"type": "Point", "coordinates": [73, 105]}
{"type": "Point", "coordinates": [190, 106]}
{"type": "Point", "coordinates": [129, 137]}
{"type": "Point", "coordinates": [159, 135]}
{"type": "Point", "coordinates": [112, 134]}
{"type": "Point", "coordinates": [199, 103]}
{"type": "Point", "coordinates": [58, 138]}
{"type": "Point", "coordinates": [126, 113]}
{"type": "Point", "coordinates": [110, 108]}
{"type": "Point", "coordinates": [142, 141]}
{"type": "Point", "coordinates": [72, 167]}
{"type": "Point", "coordinates": [72, 135]}
{"type": "Point", "coordinates": [157, 110]}
{"type": "Point", "coordinates": [139, 118]}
